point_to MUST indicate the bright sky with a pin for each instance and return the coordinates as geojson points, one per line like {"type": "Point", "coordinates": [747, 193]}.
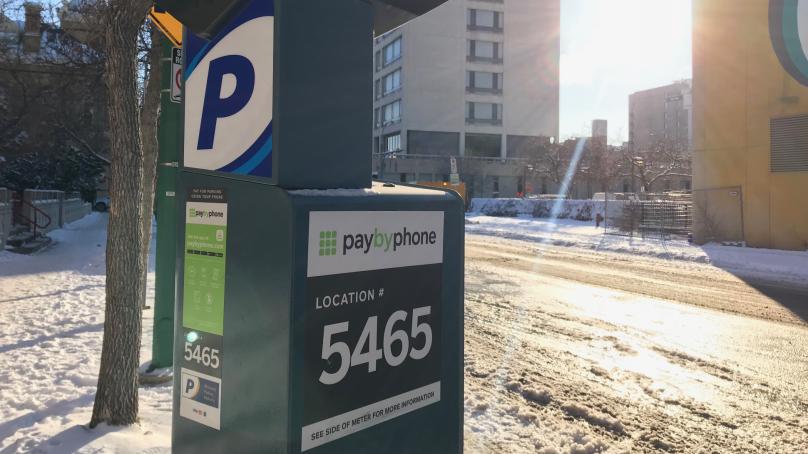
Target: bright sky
{"type": "Point", "coordinates": [612, 48]}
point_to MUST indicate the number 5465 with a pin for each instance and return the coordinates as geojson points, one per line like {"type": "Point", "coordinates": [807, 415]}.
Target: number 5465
{"type": "Point", "coordinates": [372, 353]}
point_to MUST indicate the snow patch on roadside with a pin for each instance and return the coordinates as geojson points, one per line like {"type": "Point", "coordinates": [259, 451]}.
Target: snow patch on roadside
{"type": "Point", "coordinates": [789, 267]}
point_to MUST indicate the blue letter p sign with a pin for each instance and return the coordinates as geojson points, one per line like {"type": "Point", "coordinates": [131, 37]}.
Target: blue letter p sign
{"type": "Point", "coordinates": [215, 105]}
{"type": "Point", "coordinates": [229, 88]}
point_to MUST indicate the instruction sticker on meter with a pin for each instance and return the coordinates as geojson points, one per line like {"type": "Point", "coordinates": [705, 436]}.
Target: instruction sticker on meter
{"type": "Point", "coordinates": [203, 305]}
{"type": "Point", "coordinates": [373, 325]}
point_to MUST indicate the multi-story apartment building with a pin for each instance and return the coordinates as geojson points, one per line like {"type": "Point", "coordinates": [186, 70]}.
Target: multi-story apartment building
{"type": "Point", "coordinates": [477, 80]}
{"type": "Point", "coordinates": [661, 115]}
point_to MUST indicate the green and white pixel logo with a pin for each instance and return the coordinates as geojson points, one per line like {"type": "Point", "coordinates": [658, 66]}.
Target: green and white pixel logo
{"type": "Point", "coordinates": [328, 243]}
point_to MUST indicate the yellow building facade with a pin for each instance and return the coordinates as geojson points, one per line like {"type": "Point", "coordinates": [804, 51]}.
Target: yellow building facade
{"type": "Point", "coordinates": [750, 97]}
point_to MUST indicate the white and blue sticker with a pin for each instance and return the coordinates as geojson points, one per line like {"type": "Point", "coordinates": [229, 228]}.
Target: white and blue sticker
{"type": "Point", "coordinates": [201, 398]}
{"type": "Point", "coordinates": [228, 95]}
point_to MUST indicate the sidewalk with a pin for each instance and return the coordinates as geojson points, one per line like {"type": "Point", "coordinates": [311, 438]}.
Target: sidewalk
{"type": "Point", "coordinates": [51, 327]}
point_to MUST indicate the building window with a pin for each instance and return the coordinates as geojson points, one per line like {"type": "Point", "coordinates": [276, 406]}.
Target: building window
{"type": "Point", "coordinates": [392, 142]}
{"type": "Point", "coordinates": [392, 52]}
{"type": "Point", "coordinates": [483, 81]}
{"type": "Point", "coordinates": [479, 50]}
{"type": "Point", "coordinates": [377, 117]}
{"type": "Point", "coordinates": [391, 113]}
{"type": "Point", "coordinates": [391, 82]}
{"type": "Point", "coordinates": [481, 19]}
{"type": "Point", "coordinates": [483, 145]}
{"type": "Point", "coordinates": [483, 112]}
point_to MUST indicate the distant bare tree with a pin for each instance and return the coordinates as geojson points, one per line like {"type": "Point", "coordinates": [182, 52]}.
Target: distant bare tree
{"type": "Point", "coordinates": [663, 159]}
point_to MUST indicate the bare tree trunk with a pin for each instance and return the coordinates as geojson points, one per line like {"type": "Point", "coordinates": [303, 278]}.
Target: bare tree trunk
{"type": "Point", "coordinates": [116, 399]}
{"type": "Point", "coordinates": [149, 116]}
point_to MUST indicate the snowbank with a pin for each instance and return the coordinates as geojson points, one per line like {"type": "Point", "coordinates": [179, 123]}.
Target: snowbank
{"type": "Point", "coordinates": [580, 210]}
{"type": "Point", "coordinates": [763, 264]}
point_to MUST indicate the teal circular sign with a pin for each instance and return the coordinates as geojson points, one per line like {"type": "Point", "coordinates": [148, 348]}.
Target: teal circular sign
{"type": "Point", "coordinates": [788, 26]}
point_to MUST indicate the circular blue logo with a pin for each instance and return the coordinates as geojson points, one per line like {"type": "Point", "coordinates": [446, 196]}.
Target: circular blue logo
{"type": "Point", "coordinates": [788, 26]}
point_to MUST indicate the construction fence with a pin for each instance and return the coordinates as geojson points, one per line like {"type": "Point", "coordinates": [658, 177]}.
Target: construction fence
{"type": "Point", "coordinates": [663, 216]}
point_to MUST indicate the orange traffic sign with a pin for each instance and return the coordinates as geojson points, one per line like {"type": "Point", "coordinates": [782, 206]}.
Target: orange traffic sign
{"type": "Point", "coordinates": [167, 24]}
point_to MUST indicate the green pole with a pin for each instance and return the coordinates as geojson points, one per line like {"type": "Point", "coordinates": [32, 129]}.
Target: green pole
{"type": "Point", "coordinates": [165, 266]}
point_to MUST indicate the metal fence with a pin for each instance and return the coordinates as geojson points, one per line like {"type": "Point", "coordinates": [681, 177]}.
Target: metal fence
{"type": "Point", "coordinates": [662, 216]}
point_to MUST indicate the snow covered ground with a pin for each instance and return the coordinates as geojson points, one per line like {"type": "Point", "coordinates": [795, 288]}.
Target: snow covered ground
{"type": "Point", "coordinates": [51, 326]}
{"type": "Point", "coordinates": [552, 365]}
{"type": "Point", "coordinates": [772, 265]}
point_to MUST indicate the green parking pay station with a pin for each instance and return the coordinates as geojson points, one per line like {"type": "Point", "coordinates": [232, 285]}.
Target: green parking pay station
{"type": "Point", "coordinates": [316, 311]}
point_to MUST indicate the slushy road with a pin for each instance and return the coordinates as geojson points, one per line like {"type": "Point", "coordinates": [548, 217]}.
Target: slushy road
{"type": "Point", "coordinates": [572, 350]}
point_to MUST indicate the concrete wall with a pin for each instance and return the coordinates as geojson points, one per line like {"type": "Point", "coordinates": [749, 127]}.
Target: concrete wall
{"type": "Point", "coordinates": [73, 209]}
{"type": "Point", "coordinates": [48, 208]}
{"type": "Point", "coordinates": [59, 207]}
{"type": "Point", "coordinates": [739, 85]}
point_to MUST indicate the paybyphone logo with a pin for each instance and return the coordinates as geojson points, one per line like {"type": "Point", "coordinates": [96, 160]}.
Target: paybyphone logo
{"type": "Point", "coordinates": [328, 243]}
{"type": "Point", "coordinates": [376, 240]}
{"type": "Point", "coordinates": [228, 95]}
{"type": "Point", "coordinates": [346, 241]}
{"type": "Point", "coordinates": [788, 27]}
{"type": "Point", "coordinates": [202, 214]}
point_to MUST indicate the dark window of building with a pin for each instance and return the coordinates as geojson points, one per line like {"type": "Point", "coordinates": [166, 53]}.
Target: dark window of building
{"type": "Point", "coordinates": [789, 143]}
{"type": "Point", "coordinates": [526, 147]}
{"type": "Point", "coordinates": [391, 82]}
{"type": "Point", "coordinates": [402, 178]}
{"type": "Point", "coordinates": [482, 19]}
{"type": "Point", "coordinates": [391, 113]}
{"type": "Point", "coordinates": [392, 52]}
{"type": "Point", "coordinates": [392, 142]}
{"type": "Point", "coordinates": [483, 81]}
{"type": "Point", "coordinates": [483, 145]}
{"type": "Point", "coordinates": [479, 50]}
{"type": "Point", "coordinates": [483, 112]}
{"type": "Point", "coordinates": [520, 185]}
{"type": "Point", "coordinates": [495, 186]}
{"type": "Point", "coordinates": [433, 143]}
